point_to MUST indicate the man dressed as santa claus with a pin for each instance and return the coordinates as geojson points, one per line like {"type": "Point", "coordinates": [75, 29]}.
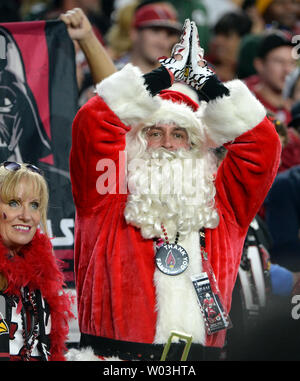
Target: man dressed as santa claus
{"type": "Point", "coordinates": [153, 211]}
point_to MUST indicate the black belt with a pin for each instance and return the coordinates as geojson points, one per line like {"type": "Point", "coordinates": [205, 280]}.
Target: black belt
{"type": "Point", "coordinates": [127, 350]}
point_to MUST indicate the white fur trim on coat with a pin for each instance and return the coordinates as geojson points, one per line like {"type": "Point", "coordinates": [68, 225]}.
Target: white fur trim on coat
{"type": "Point", "coordinates": [176, 299]}
{"type": "Point", "coordinates": [125, 93]}
{"type": "Point", "coordinates": [215, 123]}
{"type": "Point", "coordinates": [228, 117]}
{"type": "Point", "coordinates": [86, 354]}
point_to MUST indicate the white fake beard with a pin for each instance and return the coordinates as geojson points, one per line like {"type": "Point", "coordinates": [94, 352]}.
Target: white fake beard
{"type": "Point", "coordinates": [175, 188]}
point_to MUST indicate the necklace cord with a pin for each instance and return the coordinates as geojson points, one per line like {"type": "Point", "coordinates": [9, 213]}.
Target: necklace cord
{"type": "Point", "coordinates": [166, 235]}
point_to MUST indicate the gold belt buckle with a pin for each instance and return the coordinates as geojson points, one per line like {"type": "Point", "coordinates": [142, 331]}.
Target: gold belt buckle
{"type": "Point", "coordinates": [188, 342]}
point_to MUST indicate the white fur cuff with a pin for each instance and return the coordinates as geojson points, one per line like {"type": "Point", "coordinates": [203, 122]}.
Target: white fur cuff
{"type": "Point", "coordinates": [229, 117]}
{"type": "Point", "coordinates": [125, 93]}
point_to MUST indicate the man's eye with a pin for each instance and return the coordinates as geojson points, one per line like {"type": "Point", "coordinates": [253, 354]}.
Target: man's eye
{"type": "Point", "coordinates": [154, 133]}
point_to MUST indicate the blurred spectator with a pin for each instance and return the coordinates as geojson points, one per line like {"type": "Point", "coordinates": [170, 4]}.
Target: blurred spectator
{"type": "Point", "coordinates": [291, 91]}
{"type": "Point", "coordinates": [258, 23]}
{"type": "Point", "coordinates": [273, 62]}
{"type": "Point", "coordinates": [281, 14]}
{"type": "Point", "coordinates": [225, 42]}
{"type": "Point", "coordinates": [155, 29]}
{"type": "Point", "coordinates": [290, 155]}
{"type": "Point", "coordinates": [118, 37]}
{"type": "Point", "coordinates": [282, 215]}
{"type": "Point", "coordinates": [149, 30]}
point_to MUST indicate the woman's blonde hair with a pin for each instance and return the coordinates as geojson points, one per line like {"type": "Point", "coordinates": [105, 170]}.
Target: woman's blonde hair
{"type": "Point", "coordinates": [9, 181]}
{"type": "Point", "coordinates": [118, 36]}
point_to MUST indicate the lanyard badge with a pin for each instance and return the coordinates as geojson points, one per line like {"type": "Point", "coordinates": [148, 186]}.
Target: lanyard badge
{"type": "Point", "coordinates": [209, 298]}
{"type": "Point", "coordinates": [172, 259]}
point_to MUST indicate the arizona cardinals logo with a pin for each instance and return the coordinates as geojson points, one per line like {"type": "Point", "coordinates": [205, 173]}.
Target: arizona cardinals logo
{"type": "Point", "coordinates": [170, 259]}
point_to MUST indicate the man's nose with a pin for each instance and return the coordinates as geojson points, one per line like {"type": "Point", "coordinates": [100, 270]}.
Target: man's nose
{"type": "Point", "coordinates": [167, 142]}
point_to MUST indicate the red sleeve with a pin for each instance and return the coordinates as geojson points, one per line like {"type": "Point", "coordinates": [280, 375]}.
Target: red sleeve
{"type": "Point", "coordinates": [247, 172]}
{"type": "Point", "coordinates": [98, 136]}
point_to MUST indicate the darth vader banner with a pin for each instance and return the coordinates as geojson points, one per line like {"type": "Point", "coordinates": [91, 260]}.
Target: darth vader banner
{"type": "Point", "coordinates": [38, 101]}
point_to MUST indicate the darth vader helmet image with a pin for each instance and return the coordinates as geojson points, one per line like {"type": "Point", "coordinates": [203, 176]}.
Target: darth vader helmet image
{"type": "Point", "coordinates": [22, 135]}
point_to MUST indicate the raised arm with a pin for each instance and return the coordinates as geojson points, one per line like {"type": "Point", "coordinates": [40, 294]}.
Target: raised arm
{"type": "Point", "coordinates": [233, 117]}
{"type": "Point", "coordinates": [126, 98]}
{"type": "Point", "coordinates": [80, 30]}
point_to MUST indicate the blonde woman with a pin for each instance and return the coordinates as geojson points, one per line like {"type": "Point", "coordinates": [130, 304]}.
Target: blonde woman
{"type": "Point", "coordinates": [34, 308]}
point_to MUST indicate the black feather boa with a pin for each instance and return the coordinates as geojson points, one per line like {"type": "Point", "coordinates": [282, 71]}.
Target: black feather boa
{"type": "Point", "coordinates": [37, 268]}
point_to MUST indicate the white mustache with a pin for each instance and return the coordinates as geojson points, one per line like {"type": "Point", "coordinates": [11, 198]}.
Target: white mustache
{"type": "Point", "coordinates": [173, 187]}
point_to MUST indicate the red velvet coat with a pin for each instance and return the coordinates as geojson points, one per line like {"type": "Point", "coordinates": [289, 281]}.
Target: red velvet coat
{"type": "Point", "coordinates": [114, 264]}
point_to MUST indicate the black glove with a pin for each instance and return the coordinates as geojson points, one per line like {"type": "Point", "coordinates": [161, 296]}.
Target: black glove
{"type": "Point", "coordinates": [157, 80]}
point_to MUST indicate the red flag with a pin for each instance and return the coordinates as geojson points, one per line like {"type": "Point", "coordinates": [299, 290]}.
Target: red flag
{"type": "Point", "coordinates": [38, 101]}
